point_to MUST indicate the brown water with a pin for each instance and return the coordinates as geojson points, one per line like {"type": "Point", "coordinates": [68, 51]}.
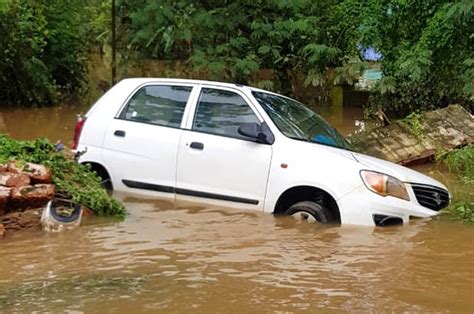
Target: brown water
{"type": "Point", "coordinates": [55, 123]}
{"type": "Point", "coordinates": [163, 257]}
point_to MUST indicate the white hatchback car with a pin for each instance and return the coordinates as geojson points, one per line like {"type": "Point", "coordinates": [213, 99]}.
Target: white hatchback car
{"type": "Point", "coordinates": [239, 146]}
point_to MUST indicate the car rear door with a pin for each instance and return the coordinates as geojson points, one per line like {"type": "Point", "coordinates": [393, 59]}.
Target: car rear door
{"type": "Point", "coordinates": [216, 162]}
{"type": "Point", "coordinates": [141, 143]}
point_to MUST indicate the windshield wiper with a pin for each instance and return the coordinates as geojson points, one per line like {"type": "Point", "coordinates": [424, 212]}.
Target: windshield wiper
{"type": "Point", "coordinates": [303, 139]}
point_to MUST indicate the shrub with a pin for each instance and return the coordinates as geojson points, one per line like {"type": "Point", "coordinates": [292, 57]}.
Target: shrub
{"type": "Point", "coordinates": [71, 179]}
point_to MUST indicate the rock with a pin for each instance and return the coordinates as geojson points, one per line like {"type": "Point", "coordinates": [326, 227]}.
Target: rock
{"type": "Point", "coordinates": [21, 220]}
{"type": "Point", "coordinates": [87, 212]}
{"type": "Point", "coordinates": [24, 191]}
{"type": "Point", "coordinates": [445, 128]}
{"type": "Point", "coordinates": [4, 198]}
{"type": "Point", "coordinates": [37, 173]}
{"type": "Point", "coordinates": [31, 196]}
{"type": "Point", "coordinates": [10, 179]}
{"type": "Point", "coordinates": [13, 167]}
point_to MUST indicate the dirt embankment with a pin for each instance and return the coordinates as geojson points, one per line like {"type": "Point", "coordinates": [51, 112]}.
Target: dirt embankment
{"type": "Point", "coordinates": [25, 189]}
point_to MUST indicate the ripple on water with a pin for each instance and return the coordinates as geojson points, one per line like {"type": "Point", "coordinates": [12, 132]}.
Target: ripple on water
{"type": "Point", "coordinates": [214, 260]}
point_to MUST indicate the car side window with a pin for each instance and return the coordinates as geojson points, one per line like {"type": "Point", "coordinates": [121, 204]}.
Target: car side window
{"type": "Point", "coordinates": [158, 104]}
{"type": "Point", "coordinates": [222, 112]}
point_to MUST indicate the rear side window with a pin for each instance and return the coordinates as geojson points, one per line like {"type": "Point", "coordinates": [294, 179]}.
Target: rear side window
{"type": "Point", "coordinates": [221, 112]}
{"type": "Point", "coordinates": [158, 104]}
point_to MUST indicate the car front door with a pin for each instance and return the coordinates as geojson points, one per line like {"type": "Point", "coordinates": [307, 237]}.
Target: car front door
{"type": "Point", "coordinates": [141, 143]}
{"type": "Point", "coordinates": [215, 161]}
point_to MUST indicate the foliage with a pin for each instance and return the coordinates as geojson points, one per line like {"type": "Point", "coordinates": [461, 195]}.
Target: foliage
{"type": "Point", "coordinates": [98, 28]}
{"type": "Point", "coordinates": [42, 50]}
{"type": "Point", "coordinates": [233, 40]}
{"type": "Point", "coordinates": [463, 211]}
{"type": "Point", "coordinates": [461, 162]}
{"type": "Point", "coordinates": [428, 61]}
{"type": "Point", "coordinates": [412, 123]}
{"type": "Point", "coordinates": [70, 178]}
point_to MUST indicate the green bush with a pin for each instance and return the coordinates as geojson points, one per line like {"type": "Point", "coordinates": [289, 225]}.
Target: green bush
{"type": "Point", "coordinates": [234, 40]}
{"type": "Point", "coordinates": [463, 211]}
{"type": "Point", "coordinates": [42, 50]}
{"type": "Point", "coordinates": [461, 162]}
{"type": "Point", "coordinates": [71, 179]}
{"type": "Point", "coordinates": [428, 61]}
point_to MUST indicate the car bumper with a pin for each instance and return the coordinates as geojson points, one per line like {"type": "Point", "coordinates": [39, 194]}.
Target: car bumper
{"type": "Point", "coordinates": [363, 207]}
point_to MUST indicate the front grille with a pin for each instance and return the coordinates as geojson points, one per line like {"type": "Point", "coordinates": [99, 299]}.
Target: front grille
{"type": "Point", "coordinates": [430, 196]}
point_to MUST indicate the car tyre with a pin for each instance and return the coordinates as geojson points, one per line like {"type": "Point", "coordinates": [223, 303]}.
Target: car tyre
{"type": "Point", "coordinates": [309, 211]}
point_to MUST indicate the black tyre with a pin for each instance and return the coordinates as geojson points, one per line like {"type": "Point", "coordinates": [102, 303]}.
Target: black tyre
{"type": "Point", "coordinates": [104, 178]}
{"type": "Point", "coordinates": [309, 211]}
{"type": "Point", "coordinates": [58, 214]}
{"type": "Point", "coordinates": [107, 184]}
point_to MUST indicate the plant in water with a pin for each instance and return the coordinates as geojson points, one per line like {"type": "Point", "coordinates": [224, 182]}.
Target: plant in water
{"type": "Point", "coordinates": [71, 179]}
{"type": "Point", "coordinates": [462, 211]}
{"type": "Point", "coordinates": [461, 162]}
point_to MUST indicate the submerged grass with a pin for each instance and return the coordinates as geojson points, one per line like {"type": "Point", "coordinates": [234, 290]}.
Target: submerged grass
{"type": "Point", "coordinates": [461, 162]}
{"type": "Point", "coordinates": [69, 290]}
{"type": "Point", "coordinates": [71, 179]}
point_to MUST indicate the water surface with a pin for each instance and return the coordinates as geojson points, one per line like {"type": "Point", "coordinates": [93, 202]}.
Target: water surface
{"type": "Point", "coordinates": [167, 257]}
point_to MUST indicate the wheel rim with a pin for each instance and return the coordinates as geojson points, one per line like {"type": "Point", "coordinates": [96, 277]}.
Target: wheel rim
{"type": "Point", "coordinates": [304, 216]}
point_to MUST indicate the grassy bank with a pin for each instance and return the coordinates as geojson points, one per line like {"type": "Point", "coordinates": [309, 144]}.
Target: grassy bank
{"type": "Point", "coordinates": [71, 179]}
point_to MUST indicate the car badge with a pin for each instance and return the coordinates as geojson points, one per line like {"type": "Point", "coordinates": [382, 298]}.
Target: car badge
{"type": "Point", "coordinates": [437, 198]}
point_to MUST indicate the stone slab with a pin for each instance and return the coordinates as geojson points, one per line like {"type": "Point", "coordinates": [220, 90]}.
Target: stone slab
{"type": "Point", "coordinates": [441, 129]}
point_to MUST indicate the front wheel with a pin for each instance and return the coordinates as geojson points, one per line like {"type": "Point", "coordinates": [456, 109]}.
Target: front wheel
{"type": "Point", "coordinates": [309, 211]}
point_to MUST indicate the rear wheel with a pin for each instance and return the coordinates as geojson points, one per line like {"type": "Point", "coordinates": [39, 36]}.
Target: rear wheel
{"type": "Point", "coordinates": [106, 183]}
{"type": "Point", "coordinates": [310, 212]}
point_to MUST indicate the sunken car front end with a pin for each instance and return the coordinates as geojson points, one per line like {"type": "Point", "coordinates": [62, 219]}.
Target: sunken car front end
{"type": "Point", "coordinates": [391, 194]}
{"type": "Point", "coordinates": [365, 207]}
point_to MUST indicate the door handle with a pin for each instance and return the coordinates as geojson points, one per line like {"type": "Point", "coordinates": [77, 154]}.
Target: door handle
{"type": "Point", "coordinates": [119, 133]}
{"type": "Point", "coordinates": [197, 145]}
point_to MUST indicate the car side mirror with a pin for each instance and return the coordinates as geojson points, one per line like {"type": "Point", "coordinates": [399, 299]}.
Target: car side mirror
{"type": "Point", "coordinates": [253, 130]}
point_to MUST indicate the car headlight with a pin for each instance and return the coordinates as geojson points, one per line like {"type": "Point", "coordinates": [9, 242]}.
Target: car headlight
{"type": "Point", "coordinates": [384, 185]}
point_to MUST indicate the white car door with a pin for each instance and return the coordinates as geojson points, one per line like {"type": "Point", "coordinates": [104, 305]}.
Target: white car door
{"type": "Point", "coordinates": [141, 143]}
{"type": "Point", "coordinates": [216, 162]}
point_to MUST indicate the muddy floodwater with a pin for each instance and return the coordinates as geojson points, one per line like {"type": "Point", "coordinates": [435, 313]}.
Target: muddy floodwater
{"type": "Point", "coordinates": [171, 258]}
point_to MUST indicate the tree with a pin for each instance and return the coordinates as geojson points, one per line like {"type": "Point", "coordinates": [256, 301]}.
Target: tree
{"type": "Point", "coordinates": [428, 60]}
{"type": "Point", "coordinates": [43, 49]}
{"type": "Point", "coordinates": [233, 40]}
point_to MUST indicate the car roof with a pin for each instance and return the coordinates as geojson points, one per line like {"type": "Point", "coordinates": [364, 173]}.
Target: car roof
{"type": "Point", "coordinates": [144, 80]}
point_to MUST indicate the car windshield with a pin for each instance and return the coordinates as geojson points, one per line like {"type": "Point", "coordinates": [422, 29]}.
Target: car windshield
{"type": "Point", "coordinates": [297, 121]}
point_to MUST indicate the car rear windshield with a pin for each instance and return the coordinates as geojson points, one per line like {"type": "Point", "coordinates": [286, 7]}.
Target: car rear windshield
{"type": "Point", "coordinates": [297, 121]}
